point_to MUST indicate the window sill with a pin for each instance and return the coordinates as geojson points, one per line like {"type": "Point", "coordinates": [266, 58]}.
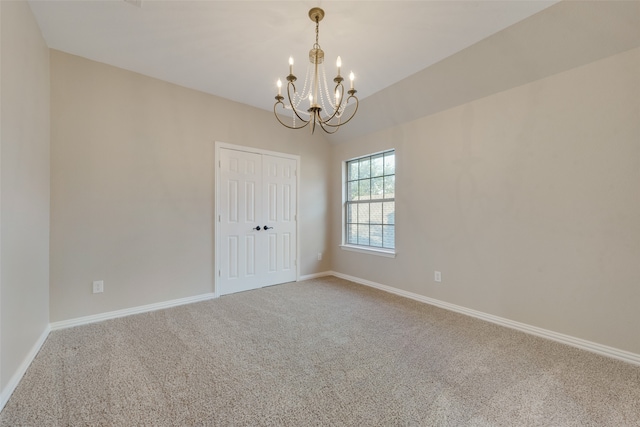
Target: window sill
{"type": "Point", "coordinates": [389, 253]}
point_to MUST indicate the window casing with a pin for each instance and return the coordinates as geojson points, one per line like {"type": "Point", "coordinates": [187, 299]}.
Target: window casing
{"type": "Point", "coordinates": [370, 202]}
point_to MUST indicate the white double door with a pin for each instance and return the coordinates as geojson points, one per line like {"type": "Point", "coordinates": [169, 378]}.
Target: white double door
{"type": "Point", "coordinates": [257, 220]}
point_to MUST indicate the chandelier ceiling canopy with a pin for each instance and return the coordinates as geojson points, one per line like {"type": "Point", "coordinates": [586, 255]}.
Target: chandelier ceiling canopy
{"type": "Point", "coordinates": [316, 104]}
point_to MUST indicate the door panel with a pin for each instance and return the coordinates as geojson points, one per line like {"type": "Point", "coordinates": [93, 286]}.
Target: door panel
{"type": "Point", "coordinates": [250, 191]}
{"type": "Point", "coordinates": [286, 251]}
{"type": "Point", "coordinates": [240, 175]}
{"type": "Point", "coordinates": [280, 188]}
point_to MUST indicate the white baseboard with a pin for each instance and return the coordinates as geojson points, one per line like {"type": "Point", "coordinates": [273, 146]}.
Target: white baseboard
{"type": "Point", "coordinates": [129, 311]}
{"type": "Point", "coordinates": [22, 369]}
{"type": "Point", "coordinates": [603, 350]}
{"type": "Point", "coordinates": [316, 275]}
{"type": "Point", "coordinates": [152, 307]}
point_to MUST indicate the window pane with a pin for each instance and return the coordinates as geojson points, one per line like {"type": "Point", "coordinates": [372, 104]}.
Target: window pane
{"type": "Point", "coordinates": [388, 236]}
{"type": "Point", "coordinates": [389, 187]}
{"type": "Point", "coordinates": [390, 163]}
{"type": "Point", "coordinates": [376, 236]}
{"type": "Point", "coordinates": [352, 171]}
{"type": "Point", "coordinates": [375, 212]}
{"type": "Point", "coordinates": [365, 168]}
{"type": "Point", "coordinates": [389, 213]}
{"type": "Point", "coordinates": [377, 185]}
{"type": "Point", "coordinates": [363, 234]}
{"type": "Point", "coordinates": [364, 189]}
{"type": "Point", "coordinates": [352, 191]}
{"type": "Point", "coordinates": [352, 213]}
{"type": "Point", "coordinates": [370, 205]}
{"type": "Point", "coordinates": [377, 165]}
{"type": "Point", "coordinates": [363, 213]}
{"type": "Point", "coordinates": [352, 234]}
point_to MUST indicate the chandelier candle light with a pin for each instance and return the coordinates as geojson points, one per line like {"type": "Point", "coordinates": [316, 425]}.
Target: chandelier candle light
{"type": "Point", "coordinates": [315, 92]}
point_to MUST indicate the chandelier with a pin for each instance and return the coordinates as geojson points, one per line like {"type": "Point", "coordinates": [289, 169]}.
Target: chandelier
{"type": "Point", "coordinates": [323, 108]}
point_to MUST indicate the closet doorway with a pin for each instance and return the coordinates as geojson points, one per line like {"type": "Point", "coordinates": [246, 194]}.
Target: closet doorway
{"type": "Point", "coordinates": [256, 218]}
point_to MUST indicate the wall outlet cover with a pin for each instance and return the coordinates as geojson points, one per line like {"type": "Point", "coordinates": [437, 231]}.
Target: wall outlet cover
{"type": "Point", "coordinates": [98, 286]}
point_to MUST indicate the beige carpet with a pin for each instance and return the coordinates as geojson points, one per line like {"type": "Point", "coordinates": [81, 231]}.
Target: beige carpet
{"type": "Point", "coordinates": [322, 352]}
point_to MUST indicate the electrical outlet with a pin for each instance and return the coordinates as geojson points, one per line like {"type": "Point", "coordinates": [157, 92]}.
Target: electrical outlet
{"type": "Point", "coordinates": [98, 286]}
{"type": "Point", "coordinates": [319, 256]}
{"type": "Point", "coordinates": [437, 276]}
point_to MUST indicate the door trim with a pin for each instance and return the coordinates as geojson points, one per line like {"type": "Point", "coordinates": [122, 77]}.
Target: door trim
{"type": "Point", "coordinates": [216, 218]}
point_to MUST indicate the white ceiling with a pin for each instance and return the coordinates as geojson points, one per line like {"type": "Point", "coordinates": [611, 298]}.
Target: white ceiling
{"type": "Point", "coordinates": [238, 49]}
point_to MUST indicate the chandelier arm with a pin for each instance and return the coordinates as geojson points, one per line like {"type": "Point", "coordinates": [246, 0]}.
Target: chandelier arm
{"type": "Point", "coordinates": [306, 122]}
{"type": "Point", "coordinates": [350, 117]}
{"type": "Point", "coordinates": [329, 131]}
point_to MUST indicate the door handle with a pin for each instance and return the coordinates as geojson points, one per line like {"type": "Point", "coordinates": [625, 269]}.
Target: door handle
{"type": "Point", "coordinates": [267, 228]}
{"type": "Point", "coordinates": [256, 228]}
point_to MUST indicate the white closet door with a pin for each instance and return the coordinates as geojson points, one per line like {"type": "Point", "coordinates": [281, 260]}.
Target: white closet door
{"type": "Point", "coordinates": [240, 215]}
{"type": "Point", "coordinates": [279, 191]}
{"type": "Point", "coordinates": [257, 214]}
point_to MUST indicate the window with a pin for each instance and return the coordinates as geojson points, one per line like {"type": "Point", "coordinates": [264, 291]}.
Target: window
{"type": "Point", "coordinates": [370, 201]}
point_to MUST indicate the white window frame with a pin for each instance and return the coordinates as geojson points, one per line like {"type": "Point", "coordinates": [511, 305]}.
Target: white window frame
{"type": "Point", "coordinates": [372, 250]}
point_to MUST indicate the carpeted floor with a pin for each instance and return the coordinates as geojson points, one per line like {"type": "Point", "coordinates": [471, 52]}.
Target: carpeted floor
{"type": "Point", "coordinates": [322, 352]}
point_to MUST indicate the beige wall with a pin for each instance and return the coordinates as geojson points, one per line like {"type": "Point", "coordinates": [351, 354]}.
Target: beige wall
{"type": "Point", "coordinates": [132, 185]}
{"type": "Point", "coordinates": [24, 191]}
{"type": "Point", "coordinates": [527, 201]}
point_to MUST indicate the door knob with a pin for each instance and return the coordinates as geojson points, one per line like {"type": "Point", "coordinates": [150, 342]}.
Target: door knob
{"type": "Point", "coordinates": [256, 228]}
{"type": "Point", "coordinates": [267, 228]}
